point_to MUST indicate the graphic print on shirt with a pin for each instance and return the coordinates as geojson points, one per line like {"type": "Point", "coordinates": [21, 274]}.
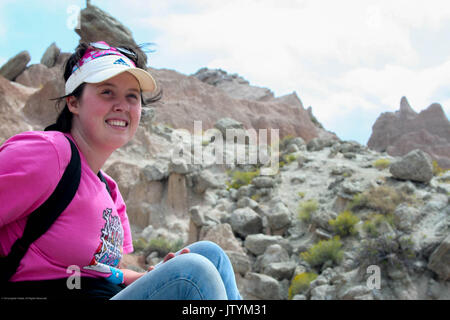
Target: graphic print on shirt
{"type": "Point", "coordinates": [109, 251]}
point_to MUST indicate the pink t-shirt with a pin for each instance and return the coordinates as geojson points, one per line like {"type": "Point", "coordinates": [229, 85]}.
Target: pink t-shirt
{"type": "Point", "coordinates": [93, 231]}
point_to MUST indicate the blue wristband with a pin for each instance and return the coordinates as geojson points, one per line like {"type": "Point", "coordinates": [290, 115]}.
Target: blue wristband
{"type": "Point", "coordinates": [116, 276]}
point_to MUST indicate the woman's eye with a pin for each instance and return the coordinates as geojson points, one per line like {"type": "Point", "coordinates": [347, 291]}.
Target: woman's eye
{"type": "Point", "coordinates": [106, 92]}
{"type": "Point", "coordinates": [132, 96]}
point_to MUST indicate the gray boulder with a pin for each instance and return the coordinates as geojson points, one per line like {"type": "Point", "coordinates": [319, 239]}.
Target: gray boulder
{"type": "Point", "coordinates": [263, 286]}
{"type": "Point", "coordinates": [225, 124]}
{"type": "Point", "coordinates": [280, 270]}
{"type": "Point", "coordinates": [258, 243]}
{"type": "Point", "coordinates": [245, 221]}
{"type": "Point", "coordinates": [273, 253]}
{"type": "Point", "coordinates": [407, 217]}
{"type": "Point", "coordinates": [247, 202]}
{"type": "Point", "coordinates": [204, 180]}
{"type": "Point", "coordinates": [279, 217]}
{"type": "Point", "coordinates": [50, 55]}
{"type": "Point", "coordinates": [323, 292]}
{"type": "Point", "coordinates": [415, 166]}
{"type": "Point", "coordinates": [15, 66]}
{"type": "Point", "coordinates": [318, 144]}
{"type": "Point", "coordinates": [322, 218]}
{"type": "Point", "coordinates": [240, 262]}
{"type": "Point", "coordinates": [197, 216]}
{"type": "Point", "coordinates": [439, 260]}
{"type": "Point", "coordinates": [263, 182]}
{"type": "Point", "coordinates": [156, 171]}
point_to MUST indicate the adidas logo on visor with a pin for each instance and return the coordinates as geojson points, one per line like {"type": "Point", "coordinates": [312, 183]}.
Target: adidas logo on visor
{"type": "Point", "coordinates": [120, 61]}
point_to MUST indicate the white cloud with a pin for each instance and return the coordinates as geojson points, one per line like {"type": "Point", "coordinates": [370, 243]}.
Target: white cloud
{"type": "Point", "coordinates": [342, 57]}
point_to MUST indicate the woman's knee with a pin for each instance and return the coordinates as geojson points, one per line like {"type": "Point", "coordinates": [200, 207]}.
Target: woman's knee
{"type": "Point", "coordinates": [205, 246]}
{"type": "Point", "coordinates": [201, 273]}
{"type": "Point", "coordinates": [196, 262]}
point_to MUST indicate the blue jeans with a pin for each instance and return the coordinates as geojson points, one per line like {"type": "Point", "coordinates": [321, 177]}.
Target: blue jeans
{"type": "Point", "coordinates": [205, 273]}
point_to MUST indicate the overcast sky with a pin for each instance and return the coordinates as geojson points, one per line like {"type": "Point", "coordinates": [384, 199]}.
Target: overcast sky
{"type": "Point", "coordinates": [350, 59]}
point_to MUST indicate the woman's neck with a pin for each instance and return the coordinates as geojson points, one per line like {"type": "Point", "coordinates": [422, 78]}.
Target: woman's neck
{"type": "Point", "coordinates": [95, 156]}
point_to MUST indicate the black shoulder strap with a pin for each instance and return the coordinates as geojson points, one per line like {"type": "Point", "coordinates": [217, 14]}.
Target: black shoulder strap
{"type": "Point", "coordinates": [102, 178]}
{"type": "Point", "coordinates": [43, 217]}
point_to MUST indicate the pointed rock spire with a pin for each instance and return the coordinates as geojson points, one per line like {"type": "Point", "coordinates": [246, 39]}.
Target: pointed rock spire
{"type": "Point", "coordinates": [405, 107]}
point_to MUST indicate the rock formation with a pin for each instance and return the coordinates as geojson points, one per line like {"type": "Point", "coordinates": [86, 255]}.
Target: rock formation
{"type": "Point", "coordinates": [186, 99]}
{"type": "Point", "coordinates": [15, 66]}
{"type": "Point", "coordinates": [400, 132]}
{"type": "Point", "coordinates": [98, 25]}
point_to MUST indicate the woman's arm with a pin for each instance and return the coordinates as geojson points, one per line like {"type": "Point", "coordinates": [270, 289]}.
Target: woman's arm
{"type": "Point", "coordinates": [129, 276]}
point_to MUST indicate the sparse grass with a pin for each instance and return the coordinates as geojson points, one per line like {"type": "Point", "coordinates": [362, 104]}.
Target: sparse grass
{"type": "Point", "coordinates": [288, 158]}
{"type": "Point", "coordinates": [382, 199]}
{"type": "Point", "coordinates": [382, 163]}
{"type": "Point", "coordinates": [140, 244]}
{"type": "Point", "coordinates": [437, 170]}
{"type": "Point", "coordinates": [324, 252]}
{"type": "Point", "coordinates": [256, 197]}
{"type": "Point", "coordinates": [306, 209]}
{"type": "Point", "coordinates": [344, 224]}
{"type": "Point", "coordinates": [164, 246]}
{"type": "Point", "coordinates": [301, 283]}
{"type": "Point", "coordinates": [242, 178]}
{"type": "Point", "coordinates": [161, 245]}
{"type": "Point", "coordinates": [393, 250]}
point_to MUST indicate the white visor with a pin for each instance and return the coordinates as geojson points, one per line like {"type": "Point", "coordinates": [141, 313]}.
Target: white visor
{"type": "Point", "coordinates": [106, 67]}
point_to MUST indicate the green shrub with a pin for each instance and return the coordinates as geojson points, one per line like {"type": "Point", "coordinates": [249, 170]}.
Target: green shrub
{"type": "Point", "coordinates": [358, 202]}
{"type": "Point", "coordinates": [306, 209]}
{"type": "Point", "coordinates": [301, 194]}
{"type": "Point", "coordinates": [382, 164]}
{"type": "Point", "coordinates": [344, 224]}
{"type": "Point", "coordinates": [437, 170]}
{"type": "Point", "coordinates": [371, 226]}
{"type": "Point", "coordinates": [324, 251]}
{"type": "Point", "coordinates": [163, 246]}
{"type": "Point", "coordinates": [288, 158]}
{"type": "Point", "coordinates": [242, 178]}
{"type": "Point", "coordinates": [140, 244]}
{"type": "Point", "coordinates": [301, 283]}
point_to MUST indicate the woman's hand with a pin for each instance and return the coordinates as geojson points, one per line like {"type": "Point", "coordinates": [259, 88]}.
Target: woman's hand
{"type": "Point", "coordinates": [169, 256]}
{"type": "Point", "coordinates": [129, 276]}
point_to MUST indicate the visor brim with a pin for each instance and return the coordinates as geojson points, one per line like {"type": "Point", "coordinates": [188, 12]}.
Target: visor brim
{"type": "Point", "coordinates": [146, 81]}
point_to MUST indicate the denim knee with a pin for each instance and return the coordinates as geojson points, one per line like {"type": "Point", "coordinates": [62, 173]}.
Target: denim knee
{"type": "Point", "coordinates": [207, 248]}
{"type": "Point", "coordinates": [198, 277]}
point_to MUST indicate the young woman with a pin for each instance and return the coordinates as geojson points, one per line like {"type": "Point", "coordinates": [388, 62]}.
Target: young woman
{"type": "Point", "coordinates": [103, 98]}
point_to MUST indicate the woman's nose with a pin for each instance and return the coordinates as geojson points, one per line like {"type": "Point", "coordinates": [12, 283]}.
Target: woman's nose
{"type": "Point", "coordinates": [121, 105]}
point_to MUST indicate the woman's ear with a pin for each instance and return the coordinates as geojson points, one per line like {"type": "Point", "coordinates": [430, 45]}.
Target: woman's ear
{"type": "Point", "coordinates": [72, 104]}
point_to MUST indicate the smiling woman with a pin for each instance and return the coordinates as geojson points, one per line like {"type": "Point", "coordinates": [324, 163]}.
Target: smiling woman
{"type": "Point", "coordinates": [102, 111]}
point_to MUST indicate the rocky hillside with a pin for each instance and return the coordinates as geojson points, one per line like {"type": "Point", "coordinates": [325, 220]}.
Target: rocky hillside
{"type": "Point", "coordinates": [402, 131]}
{"type": "Point", "coordinates": [336, 221]}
